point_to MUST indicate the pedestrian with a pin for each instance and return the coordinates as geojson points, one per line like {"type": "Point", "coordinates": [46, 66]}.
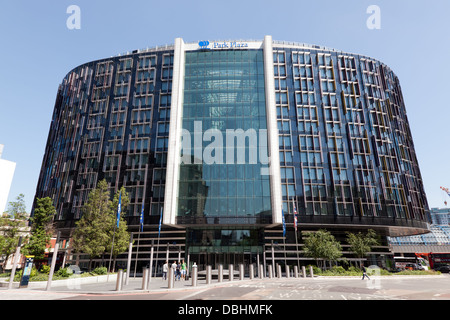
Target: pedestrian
{"type": "Point", "coordinates": [178, 271]}
{"type": "Point", "coordinates": [364, 273]}
{"type": "Point", "coordinates": [165, 269]}
{"type": "Point", "coordinates": [183, 270]}
{"type": "Point", "coordinates": [174, 269]}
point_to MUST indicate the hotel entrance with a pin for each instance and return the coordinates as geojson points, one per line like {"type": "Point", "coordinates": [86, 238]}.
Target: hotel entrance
{"type": "Point", "coordinates": [215, 246]}
{"type": "Point", "coordinates": [215, 259]}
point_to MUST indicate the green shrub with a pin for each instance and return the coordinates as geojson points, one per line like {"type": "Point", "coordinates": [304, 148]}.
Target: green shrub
{"type": "Point", "coordinates": [40, 277]}
{"type": "Point", "coordinates": [45, 269]}
{"type": "Point", "coordinates": [63, 273]}
{"type": "Point", "coordinates": [34, 272]}
{"type": "Point", "coordinates": [100, 270]}
{"type": "Point", "coordinates": [316, 270]}
{"type": "Point", "coordinates": [338, 270]}
{"type": "Point", "coordinates": [354, 270]}
{"type": "Point", "coordinates": [18, 275]}
{"type": "Point", "coordinates": [417, 272]}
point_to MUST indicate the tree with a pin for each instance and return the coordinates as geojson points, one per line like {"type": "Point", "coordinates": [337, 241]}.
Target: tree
{"type": "Point", "coordinates": [92, 232]}
{"type": "Point", "coordinates": [41, 228]}
{"type": "Point", "coordinates": [361, 244]}
{"type": "Point", "coordinates": [11, 227]}
{"type": "Point", "coordinates": [17, 209]}
{"type": "Point", "coordinates": [321, 245]}
{"type": "Point", "coordinates": [121, 235]}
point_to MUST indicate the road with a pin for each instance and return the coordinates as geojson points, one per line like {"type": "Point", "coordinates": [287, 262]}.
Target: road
{"type": "Point", "coordinates": [382, 288]}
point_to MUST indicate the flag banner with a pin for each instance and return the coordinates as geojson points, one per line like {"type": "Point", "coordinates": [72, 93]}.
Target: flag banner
{"type": "Point", "coordinates": [295, 215]}
{"type": "Point", "coordinates": [119, 208]}
{"type": "Point", "coordinates": [284, 223]}
{"type": "Point", "coordinates": [141, 220]}
{"type": "Point", "coordinates": [160, 220]}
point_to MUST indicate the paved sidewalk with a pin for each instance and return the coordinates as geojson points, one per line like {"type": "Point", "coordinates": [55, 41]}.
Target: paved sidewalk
{"type": "Point", "coordinates": [157, 285]}
{"type": "Point", "coordinates": [134, 286]}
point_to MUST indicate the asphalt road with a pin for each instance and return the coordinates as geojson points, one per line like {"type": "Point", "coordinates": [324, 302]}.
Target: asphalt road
{"type": "Point", "coordinates": [382, 288]}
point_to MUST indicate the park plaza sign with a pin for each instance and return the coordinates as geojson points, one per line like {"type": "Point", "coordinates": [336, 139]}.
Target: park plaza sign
{"type": "Point", "coordinates": [205, 45]}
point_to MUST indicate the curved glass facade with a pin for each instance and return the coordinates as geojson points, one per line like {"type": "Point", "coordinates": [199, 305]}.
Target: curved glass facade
{"type": "Point", "coordinates": [346, 154]}
{"type": "Point", "coordinates": [346, 150]}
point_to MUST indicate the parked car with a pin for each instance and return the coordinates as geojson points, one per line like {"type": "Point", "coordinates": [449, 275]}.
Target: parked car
{"type": "Point", "coordinates": [414, 266]}
{"type": "Point", "coordinates": [443, 269]}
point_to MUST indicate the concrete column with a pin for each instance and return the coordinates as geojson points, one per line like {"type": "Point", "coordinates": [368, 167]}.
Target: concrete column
{"type": "Point", "coordinates": [303, 272]}
{"type": "Point", "coordinates": [288, 275]}
{"type": "Point", "coordinates": [173, 152]}
{"type": "Point", "coordinates": [295, 271]}
{"type": "Point", "coordinates": [230, 272]}
{"type": "Point", "coordinates": [241, 272]}
{"type": "Point", "coordinates": [119, 281]}
{"type": "Point", "coordinates": [16, 261]}
{"type": "Point", "coordinates": [144, 279]}
{"type": "Point", "coordinates": [272, 131]}
{"type": "Point", "coordinates": [311, 273]}
{"type": "Point", "coordinates": [279, 270]}
{"type": "Point", "coordinates": [261, 271]}
{"type": "Point", "coordinates": [251, 271]}
{"type": "Point", "coordinates": [208, 275]}
{"type": "Point", "coordinates": [194, 275]}
{"type": "Point", "coordinates": [270, 271]}
{"type": "Point", "coordinates": [149, 279]}
{"type": "Point", "coordinates": [54, 257]}
{"type": "Point", "coordinates": [130, 251]}
{"type": "Point", "coordinates": [220, 275]}
{"type": "Point", "coordinates": [171, 278]}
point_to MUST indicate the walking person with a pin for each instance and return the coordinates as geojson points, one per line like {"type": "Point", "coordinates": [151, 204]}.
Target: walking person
{"type": "Point", "coordinates": [165, 270]}
{"type": "Point", "coordinates": [364, 273]}
{"type": "Point", "coordinates": [178, 271]}
{"type": "Point", "coordinates": [183, 270]}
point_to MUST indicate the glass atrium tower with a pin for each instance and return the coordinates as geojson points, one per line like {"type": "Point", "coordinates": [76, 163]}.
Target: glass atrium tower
{"type": "Point", "coordinates": [226, 139]}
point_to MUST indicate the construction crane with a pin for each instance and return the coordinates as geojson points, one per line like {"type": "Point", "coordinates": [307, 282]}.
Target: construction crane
{"type": "Point", "coordinates": [447, 191]}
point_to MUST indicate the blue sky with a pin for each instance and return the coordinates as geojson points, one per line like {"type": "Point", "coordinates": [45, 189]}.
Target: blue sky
{"type": "Point", "coordinates": [37, 50]}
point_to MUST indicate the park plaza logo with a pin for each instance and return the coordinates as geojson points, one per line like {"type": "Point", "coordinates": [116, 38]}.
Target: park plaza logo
{"type": "Point", "coordinates": [234, 146]}
{"type": "Point", "coordinates": [205, 45]}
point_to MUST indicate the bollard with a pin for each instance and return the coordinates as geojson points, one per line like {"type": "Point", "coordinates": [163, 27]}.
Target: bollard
{"type": "Point", "coordinates": [194, 275]}
{"type": "Point", "coordinates": [303, 271]}
{"type": "Point", "coordinates": [144, 278]}
{"type": "Point", "coordinates": [279, 271]}
{"type": "Point", "coordinates": [288, 275]}
{"type": "Point", "coordinates": [270, 271]}
{"type": "Point", "coordinates": [119, 281]}
{"type": "Point", "coordinates": [251, 272]}
{"type": "Point", "coordinates": [241, 272]}
{"type": "Point", "coordinates": [230, 272]}
{"type": "Point", "coordinates": [208, 274]}
{"type": "Point", "coordinates": [295, 272]}
{"type": "Point", "coordinates": [171, 277]}
{"type": "Point", "coordinates": [261, 271]}
{"type": "Point", "coordinates": [220, 275]}
{"type": "Point", "coordinates": [311, 273]}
